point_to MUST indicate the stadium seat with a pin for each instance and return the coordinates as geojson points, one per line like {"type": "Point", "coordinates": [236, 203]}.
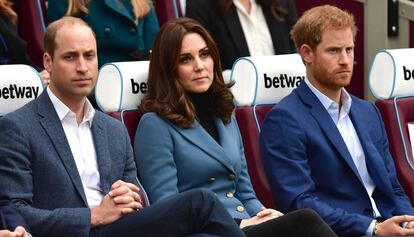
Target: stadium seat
{"type": "Point", "coordinates": [120, 88]}
{"type": "Point", "coordinates": [395, 102]}
{"type": "Point", "coordinates": [31, 25]}
{"type": "Point", "coordinates": [19, 84]}
{"type": "Point", "coordinates": [396, 114]}
{"type": "Point", "coordinates": [118, 92]}
{"type": "Point", "coordinates": [167, 10]}
{"type": "Point", "coordinates": [131, 118]}
{"type": "Point", "coordinates": [249, 119]}
{"type": "Point", "coordinates": [258, 86]}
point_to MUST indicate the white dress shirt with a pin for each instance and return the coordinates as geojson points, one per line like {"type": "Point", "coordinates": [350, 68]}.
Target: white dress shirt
{"type": "Point", "coordinates": [255, 29]}
{"type": "Point", "coordinates": [81, 144]}
{"type": "Point", "coordinates": [349, 135]}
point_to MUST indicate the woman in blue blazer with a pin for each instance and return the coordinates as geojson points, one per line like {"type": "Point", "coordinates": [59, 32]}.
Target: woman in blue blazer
{"type": "Point", "coordinates": [189, 139]}
{"type": "Point", "coordinates": [124, 29]}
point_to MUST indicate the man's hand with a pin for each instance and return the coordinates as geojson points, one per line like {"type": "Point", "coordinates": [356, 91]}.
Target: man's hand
{"type": "Point", "coordinates": [121, 200]}
{"type": "Point", "coordinates": [392, 226]}
{"type": "Point", "coordinates": [18, 232]}
{"type": "Point", "coordinates": [410, 225]}
{"type": "Point", "coordinates": [125, 193]}
{"type": "Point", "coordinates": [263, 216]}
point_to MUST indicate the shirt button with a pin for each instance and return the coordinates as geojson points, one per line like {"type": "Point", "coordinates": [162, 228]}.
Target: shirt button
{"type": "Point", "coordinates": [232, 176]}
{"type": "Point", "coordinates": [132, 31]}
{"type": "Point", "coordinates": [229, 194]}
{"type": "Point", "coordinates": [212, 179]}
{"type": "Point", "coordinates": [107, 30]}
{"type": "Point", "coordinates": [240, 208]}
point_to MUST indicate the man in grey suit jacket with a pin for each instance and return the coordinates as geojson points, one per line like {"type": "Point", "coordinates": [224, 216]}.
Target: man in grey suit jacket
{"type": "Point", "coordinates": [70, 170]}
{"type": "Point", "coordinates": [11, 223]}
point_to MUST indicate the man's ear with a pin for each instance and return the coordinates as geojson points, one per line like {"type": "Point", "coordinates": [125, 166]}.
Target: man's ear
{"type": "Point", "coordinates": [47, 62]}
{"type": "Point", "coordinates": [307, 54]}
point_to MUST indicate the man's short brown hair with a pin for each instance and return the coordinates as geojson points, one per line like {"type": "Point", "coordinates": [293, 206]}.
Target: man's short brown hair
{"type": "Point", "coordinates": [52, 29]}
{"type": "Point", "coordinates": [308, 29]}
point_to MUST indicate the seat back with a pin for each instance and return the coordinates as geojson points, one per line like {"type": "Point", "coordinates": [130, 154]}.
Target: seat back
{"type": "Point", "coordinates": [396, 114]}
{"type": "Point", "coordinates": [246, 117]}
{"type": "Point", "coordinates": [260, 82]}
{"type": "Point", "coordinates": [32, 27]}
{"type": "Point", "coordinates": [167, 10]}
{"type": "Point", "coordinates": [19, 84]}
{"type": "Point", "coordinates": [391, 82]}
{"type": "Point", "coordinates": [118, 92]}
{"type": "Point", "coordinates": [130, 118]}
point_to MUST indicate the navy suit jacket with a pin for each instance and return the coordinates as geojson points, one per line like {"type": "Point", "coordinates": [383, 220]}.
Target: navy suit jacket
{"type": "Point", "coordinates": [9, 217]}
{"type": "Point", "coordinates": [172, 160]}
{"type": "Point", "coordinates": [39, 174]}
{"type": "Point", "coordinates": [228, 32]}
{"type": "Point", "coordinates": [309, 165]}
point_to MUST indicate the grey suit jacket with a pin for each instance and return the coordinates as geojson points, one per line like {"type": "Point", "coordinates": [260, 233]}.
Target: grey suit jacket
{"type": "Point", "coordinates": [38, 172]}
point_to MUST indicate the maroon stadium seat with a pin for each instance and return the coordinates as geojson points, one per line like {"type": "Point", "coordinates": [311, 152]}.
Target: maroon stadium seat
{"type": "Point", "coordinates": [167, 10]}
{"type": "Point", "coordinates": [130, 118]}
{"type": "Point", "coordinates": [396, 113]}
{"type": "Point", "coordinates": [31, 26]}
{"type": "Point", "coordinates": [249, 119]}
{"type": "Point", "coordinates": [254, 98]}
{"type": "Point", "coordinates": [114, 88]}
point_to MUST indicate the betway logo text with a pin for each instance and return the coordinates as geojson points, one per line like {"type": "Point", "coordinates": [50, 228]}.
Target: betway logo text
{"type": "Point", "coordinates": [282, 81]}
{"type": "Point", "coordinates": [19, 92]}
{"type": "Point", "coordinates": [138, 87]}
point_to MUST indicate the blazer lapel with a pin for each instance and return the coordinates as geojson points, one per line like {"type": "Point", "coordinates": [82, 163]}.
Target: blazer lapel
{"type": "Point", "coordinates": [102, 152]}
{"type": "Point", "coordinates": [53, 127]}
{"type": "Point", "coordinates": [198, 136]}
{"type": "Point", "coordinates": [233, 25]}
{"type": "Point", "coordinates": [327, 125]}
{"type": "Point", "coordinates": [372, 157]}
{"type": "Point", "coordinates": [120, 7]}
{"type": "Point", "coordinates": [275, 31]}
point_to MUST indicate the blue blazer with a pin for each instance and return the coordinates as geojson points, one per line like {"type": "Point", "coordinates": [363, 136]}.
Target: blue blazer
{"type": "Point", "coordinates": [309, 165]}
{"type": "Point", "coordinates": [171, 160]}
{"type": "Point", "coordinates": [39, 174]}
{"type": "Point", "coordinates": [118, 37]}
{"type": "Point", "coordinates": [9, 217]}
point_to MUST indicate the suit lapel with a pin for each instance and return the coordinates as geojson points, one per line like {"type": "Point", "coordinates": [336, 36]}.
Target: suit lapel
{"type": "Point", "coordinates": [53, 127]}
{"type": "Point", "coordinates": [102, 151]}
{"type": "Point", "coordinates": [374, 165]}
{"type": "Point", "coordinates": [119, 7]}
{"type": "Point", "coordinates": [275, 31]}
{"type": "Point", "coordinates": [199, 137]}
{"type": "Point", "coordinates": [327, 125]}
{"type": "Point", "coordinates": [233, 25]}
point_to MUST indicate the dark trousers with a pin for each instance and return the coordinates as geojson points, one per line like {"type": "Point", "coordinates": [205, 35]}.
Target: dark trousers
{"type": "Point", "coordinates": [192, 213]}
{"type": "Point", "coordinates": [301, 223]}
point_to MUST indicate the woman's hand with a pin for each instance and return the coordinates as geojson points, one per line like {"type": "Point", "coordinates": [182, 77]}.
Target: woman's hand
{"type": "Point", "coordinates": [264, 215]}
